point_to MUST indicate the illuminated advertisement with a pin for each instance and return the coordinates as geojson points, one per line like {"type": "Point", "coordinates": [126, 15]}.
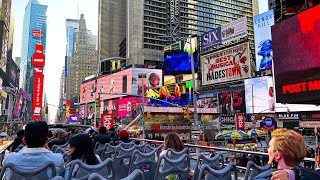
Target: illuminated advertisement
{"type": "Point", "coordinates": [226, 65]}
{"type": "Point", "coordinates": [38, 58]}
{"type": "Point", "coordinates": [125, 105]}
{"type": "Point", "coordinates": [209, 100]}
{"type": "Point", "coordinates": [263, 40]}
{"type": "Point", "coordinates": [296, 58]}
{"type": "Point", "coordinates": [67, 108]}
{"type": "Point", "coordinates": [171, 79]}
{"type": "Point", "coordinates": [179, 61]}
{"type": "Point", "coordinates": [234, 30]}
{"type": "Point", "coordinates": [20, 103]}
{"type": "Point", "coordinates": [91, 112]}
{"type": "Point", "coordinates": [74, 119]}
{"type": "Point", "coordinates": [211, 38]}
{"type": "Point", "coordinates": [261, 99]}
{"type": "Point", "coordinates": [37, 34]}
{"type": "Point", "coordinates": [232, 102]}
{"type": "Point", "coordinates": [175, 94]}
{"type": "Point", "coordinates": [128, 81]}
{"type": "Point", "coordinates": [107, 120]}
{"type": "Point", "coordinates": [110, 107]}
{"type": "Point", "coordinates": [38, 71]}
{"type": "Point", "coordinates": [37, 97]}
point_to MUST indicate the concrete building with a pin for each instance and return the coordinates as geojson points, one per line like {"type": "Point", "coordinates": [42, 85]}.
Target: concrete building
{"type": "Point", "coordinates": [153, 24]}
{"type": "Point", "coordinates": [5, 14]}
{"type": "Point", "coordinates": [83, 62]}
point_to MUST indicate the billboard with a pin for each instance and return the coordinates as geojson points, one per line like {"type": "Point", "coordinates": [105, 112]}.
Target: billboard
{"type": "Point", "coordinates": [209, 100]}
{"type": "Point", "coordinates": [234, 30]}
{"type": "Point", "coordinates": [125, 105]}
{"type": "Point", "coordinates": [110, 107]}
{"type": "Point", "coordinates": [226, 65]}
{"type": "Point", "coordinates": [296, 58]}
{"type": "Point", "coordinates": [13, 72]}
{"type": "Point", "coordinates": [67, 108]}
{"type": "Point", "coordinates": [261, 99]}
{"type": "Point", "coordinates": [38, 60]}
{"type": "Point", "coordinates": [37, 34]}
{"type": "Point", "coordinates": [263, 40]}
{"type": "Point", "coordinates": [38, 70]}
{"type": "Point", "coordinates": [107, 120]}
{"type": "Point", "coordinates": [91, 112]}
{"type": "Point", "coordinates": [211, 38]}
{"type": "Point", "coordinates": [171, 79]}
{"type": "Point", "coordinates": [37, 97]}
{"type": "Point", "coordinates": [178, 61]}
{"type": "Point", "coordinates": [128, 81]}
{"type": "Point", "coordinates": [74, 118]}
{"type": "Point", "coordinates": [177, 94]}
{"type": "Point", "coordinates": [232, 102]}
{"type": "Point", "coordinates": [20, 103]}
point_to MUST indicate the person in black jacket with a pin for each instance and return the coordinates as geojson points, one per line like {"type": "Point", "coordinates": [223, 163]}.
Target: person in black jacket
{"type": "Point", "coordinates": [102, 137]}
{"type": "Point", "coordinates": [287, 149]}
{"type": "Point", "coordinates": [18, 140]}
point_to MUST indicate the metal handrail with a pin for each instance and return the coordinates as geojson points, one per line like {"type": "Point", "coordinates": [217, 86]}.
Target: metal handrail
{"type": "Point", "coordinates": [219, 148]}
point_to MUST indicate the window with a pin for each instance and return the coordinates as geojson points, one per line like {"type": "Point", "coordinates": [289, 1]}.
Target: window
{"type": "Point", "coordinates": [124, 84]}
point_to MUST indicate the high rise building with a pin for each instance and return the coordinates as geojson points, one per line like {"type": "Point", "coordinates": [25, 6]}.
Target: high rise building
{"type": "Point", "coordinates": [84, 60]}
{"type": "Point", "coordinates": [5, 14]}
{"type": "Point", "coordinates": [35, 19]}
{"type": "Point", "coordinates": [153, 24]}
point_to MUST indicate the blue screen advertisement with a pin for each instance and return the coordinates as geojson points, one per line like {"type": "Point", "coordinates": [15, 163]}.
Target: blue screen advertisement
{"type": "Point", "coordinates": [176, 94]}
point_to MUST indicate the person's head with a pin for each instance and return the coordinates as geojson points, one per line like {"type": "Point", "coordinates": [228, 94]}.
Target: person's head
{"type": "Point", "coordinates": [50, 134]}
{"type": "Point", "coordinates": [81, 146]}
{"type": "Point", "coordinates": [173, 141]}
{"type": "Point", "coordinates": [112, 131]}
{"type": "Point", "coordinates": [102, 130]}
{"type": "Point", "coordinates": [123, 134]}
{"type": "Point", "coordinates": [61, 133]}
{"type": "Point", "coordinates": [154, 79]}
{"type": "Point", "coordinates": [287, 148]}
{"type": "Point", "coordinates": [20, 133]}
{"type": "Point", "coordinates": [36, 134]}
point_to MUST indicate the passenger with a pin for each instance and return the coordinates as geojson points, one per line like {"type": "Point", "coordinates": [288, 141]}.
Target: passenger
{"type": "Point", "coordinates": [102, 137]}
{"type": "Point", "coordinates": [81, 147]}
{"type": "Point", "coordinates": [287, 150]}
{"type": "Point", "coordinates": [124, 136]}
{"type": "Point", "coordinates": [173, 142]}
{"type": "Point", "coordinates": [113, 137]}
{"type": "Point", "coordinates": [37, 152]}
{"type": "Point", "coordinates": [61, 138]}
{"type": "Point", "coordinates": [18, 140]}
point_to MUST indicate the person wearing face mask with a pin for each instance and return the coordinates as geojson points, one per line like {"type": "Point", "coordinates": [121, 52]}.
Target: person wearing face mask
{"type": "Point", "coordinates": [287, 149]}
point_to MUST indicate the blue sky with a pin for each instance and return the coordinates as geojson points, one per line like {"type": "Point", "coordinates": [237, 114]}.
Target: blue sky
{"type": "Point", "coordinates": [58, 11]}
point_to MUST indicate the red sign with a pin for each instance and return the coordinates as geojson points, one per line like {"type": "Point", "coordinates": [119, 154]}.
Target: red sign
{"type": "Point", "coordinates": [38, 71]}
{"type": "Point", "coordinates": [37, 33]}
{"type": "Point", "coordinates": [73, 111]}
{"type": "Point", "coordinates": [38, 60]}
{"type": "Point", "coordinates": [38, 49]}
{"type": "Point", "coordinates": [107, 120]}
{"type": "Point", "coordinates": [37, 97]}
{"type": "Point", "coordinates": [240, 121]}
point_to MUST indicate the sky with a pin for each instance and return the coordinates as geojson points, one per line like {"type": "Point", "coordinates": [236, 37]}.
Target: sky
{"type": "Point", "coordinates": [58, 11]}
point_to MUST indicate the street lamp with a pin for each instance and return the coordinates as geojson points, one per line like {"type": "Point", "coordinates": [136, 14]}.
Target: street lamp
{"type": "Point", "coordinates": [96, 78]}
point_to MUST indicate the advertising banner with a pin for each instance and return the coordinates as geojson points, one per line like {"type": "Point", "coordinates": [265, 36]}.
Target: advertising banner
{"type": "Point", "coordinates": [309, 124]}
{"type": "Point", "coordinates": [296, 58]}
{"type": "Point", "coordinates": [110, 107]}
{"type": "Point", "coordinates": [234, 30]}
{"type": "Point", "coordinates": [125, 105]}
{"type": "Point", "coordinates": [91, 112]}
{"type": "Point", "coordinates": [209, 100]}
{"type": "Point", "coordinates": [240, 120]}
{"type": "Point", "coordinates": [227, 118]}
{"type": "Point", "coordinates": [211, 38]}
{"type": "Point", "coordinates": [107, 120]}
{"type": "Point", "coordinates": [38, 71]}
{"type": "Point", "coordinates": [37, 34]}
{"type": "Point", "coordinates": [152, 79]}
{"type": "Point", "coordinates": [37, 97]}
{"type": "Point", "coordinates": [67, 108]}
{"type": "Point", "coordinates": [38, 60]}
{"type": "Point", "coordinates": [170, 79]}
{"type": "Point", "coordinates": [260, 94]}
{"type": "Point", "coordinates": [74, 119]}
{"type": "Point", "coordinates": [232, 102]}
{"type": "Point", "coordinates": [263, 40]}
{"type": "Point", "coordinates": [177, 94]}
{"type": "Point", "coordinates": [226, 65]}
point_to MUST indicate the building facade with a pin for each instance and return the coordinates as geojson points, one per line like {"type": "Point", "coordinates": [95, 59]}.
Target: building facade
{"type": "Point", "coordinates": [83, 62]}
{"type": "Point", "coordinates": [35, 18]}
{"type": "Point", "coordinates": [152, 24]}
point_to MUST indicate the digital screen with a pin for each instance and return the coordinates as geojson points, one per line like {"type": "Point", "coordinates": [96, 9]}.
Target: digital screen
{"type": "Point", "coordinates": [297, 58]}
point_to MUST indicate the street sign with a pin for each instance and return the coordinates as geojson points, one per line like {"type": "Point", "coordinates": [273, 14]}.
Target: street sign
{"type": "Point", "coordinates": [142, 123]}
{"type": "Point", "coordinates": [268, 123]}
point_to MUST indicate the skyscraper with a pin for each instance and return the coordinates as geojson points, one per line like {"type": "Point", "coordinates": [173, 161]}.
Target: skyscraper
{"type": "Point", "coordinates": [35, 19]}
{"type": "Point", "coordinates": [83, 62]}
{"type": "Point", "coordinates": [5, 14]}
{"type": "Point", "coordinates": [153, 24]}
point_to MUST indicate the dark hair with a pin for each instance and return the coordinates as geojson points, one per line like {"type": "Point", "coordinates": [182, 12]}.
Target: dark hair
{"type": "Point", "coordinates": [50, 134]}
{"type": "Point", "coordinates": [173, 141]}
{"type": "Point", "coordinates": [20, 133]}
{"type": "Point", "coordinates": [83, 149]}
{"type": "Point", "coordinates": [102, 130]}
{"type": "Point", "coordinates": [36, 134]}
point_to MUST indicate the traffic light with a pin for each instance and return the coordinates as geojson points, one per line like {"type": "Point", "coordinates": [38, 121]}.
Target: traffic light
{"type": "Point", "coordinates": [134, 105]}
{"type": "Point", "coordinates": [46, 110]}
{"type": "Point", "coordinates": [186, 112]}
{"type": "Point", "coordinates": [148, 115]}
{"type": "Point", "coordinates": [98, 102]}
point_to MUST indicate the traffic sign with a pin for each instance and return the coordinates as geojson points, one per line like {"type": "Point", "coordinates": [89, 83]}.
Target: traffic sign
{"type": "Point", "coordinates": [142, 123]}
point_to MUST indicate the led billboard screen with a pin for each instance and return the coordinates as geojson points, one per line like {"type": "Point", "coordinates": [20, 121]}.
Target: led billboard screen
{"type": "Point", "coordinates": [297, 58]}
